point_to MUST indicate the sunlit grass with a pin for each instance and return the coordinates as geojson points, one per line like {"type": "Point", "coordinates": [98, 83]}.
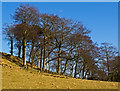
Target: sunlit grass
{"type": "Point", "coordinates": [15, 77]}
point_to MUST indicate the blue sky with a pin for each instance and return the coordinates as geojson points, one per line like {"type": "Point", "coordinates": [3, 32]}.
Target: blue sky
{"type": "Point", "coordinates": [99, 17]}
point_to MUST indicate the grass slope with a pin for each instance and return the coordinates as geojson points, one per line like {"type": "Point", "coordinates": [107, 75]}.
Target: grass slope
{"type": "Point", "coordinates": [15, 77]}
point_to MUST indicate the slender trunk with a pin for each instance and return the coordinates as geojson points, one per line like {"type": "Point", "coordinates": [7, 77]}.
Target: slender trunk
{"type": "Point", "coordinates": [24, 52]}
{"type": "Point", "coordinates": [19, 49]}
{"type": "Point", "coordinates": [66, 63]}
{"type": "Point", "coordinates": [83, 71]}
{"type": "Point", "coordinates": [71, 71]}
{"type": "Point", "coordinates": [49, 67]}
{"type": "Point", "coordinates": [32, 54]}
{"type": "Point", "coordinates": [41, 60]}
{"type": "Point", "coordinates": [92, 74]}
{"type": "Point", "coordinates": [11, 46]}
{"type": "Point", "coordinates": [38, 65]}
{"type": "Point", "coordinates": [44, 58]}
{"type": "Point", "coordinates": [59, 60]}
{"type": "Point", "coordinates": [75, 70]}
{"type": "Point", "coordinates": [86, 73]}
{"type": "Point", "coordinates": [108, 67]}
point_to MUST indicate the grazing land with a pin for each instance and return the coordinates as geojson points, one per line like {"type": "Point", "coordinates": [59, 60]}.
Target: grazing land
{"type": "Point", "coordinates": [15, 77]}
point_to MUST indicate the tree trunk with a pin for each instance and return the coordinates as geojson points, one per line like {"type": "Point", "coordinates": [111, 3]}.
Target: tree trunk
{"type": "Point", "coordinates": [75, 70]}
{"type": "Point", "coordinates": [49, 67]}
{"type": "Point", "coordinates": [19, 49]}
{"type": "Point", "coordinates": [30, 56]}
{"type": "Point", "coordinates": [41, 59]}
{"type": "Point", "coordinates": [32, 51]}
{"type": "Point", "coordinates": [59, 60]}
{"type": "Point", "coordinates": [11, 46]}
{"type": "Point", "coordinates": [92, 74]}
{"type": "Point", "coordinates": [71, 70]}
{"type": "Point", "coordinates": [38, 65]}
{"type": "Point", "coordinates": [66, 63]}
{"type": "Point", "coordinates": [24, 52]}
{"type": "Point", "coordinates": [83, 71]}
{"type": "Point", "coordinates": [44, 58]}
{"type": "Point", "coordinates": [108, 67]}
{"type": "Point", "coordinates": [86, 73]}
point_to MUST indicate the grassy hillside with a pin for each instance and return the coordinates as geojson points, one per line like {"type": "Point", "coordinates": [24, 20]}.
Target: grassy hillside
{"type": "Point", "coordinates": [15, 77]}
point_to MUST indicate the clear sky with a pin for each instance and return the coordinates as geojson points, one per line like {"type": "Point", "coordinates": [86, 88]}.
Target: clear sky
{"type": "Point", "coordinates": [99, 17]}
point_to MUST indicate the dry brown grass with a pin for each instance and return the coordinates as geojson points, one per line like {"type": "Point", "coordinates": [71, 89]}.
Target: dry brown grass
{"type": "Point", "coordinates": [15, 77]}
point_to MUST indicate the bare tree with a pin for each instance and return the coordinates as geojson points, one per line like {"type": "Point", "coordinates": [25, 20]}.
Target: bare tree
{"type": "Point", "coordinates": [25, 16]}
{"type": "Point", "coordinates": [108, 52]}
{"type": "Point", "coordinates": [8, 30]}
